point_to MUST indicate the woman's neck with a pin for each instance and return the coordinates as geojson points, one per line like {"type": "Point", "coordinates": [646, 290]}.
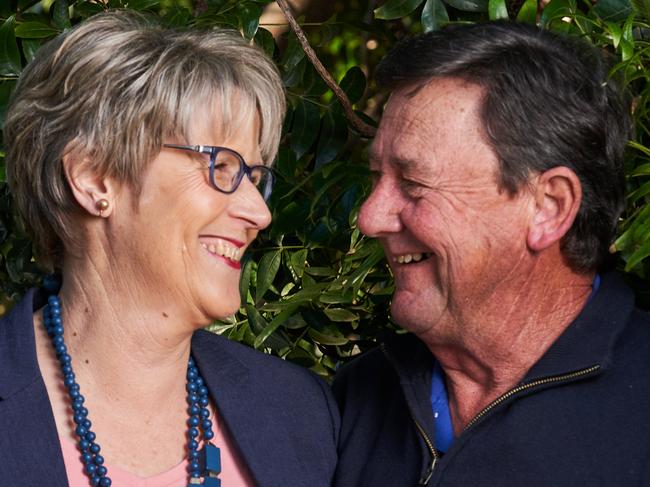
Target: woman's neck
{"type": "Point", "coordinates": [130, 361]}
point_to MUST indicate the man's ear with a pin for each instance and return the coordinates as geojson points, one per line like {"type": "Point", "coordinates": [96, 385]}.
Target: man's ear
{"type": "Point", "coordinates": [558, 194]}
{"type": "Point", "coordinates": [94, 193]}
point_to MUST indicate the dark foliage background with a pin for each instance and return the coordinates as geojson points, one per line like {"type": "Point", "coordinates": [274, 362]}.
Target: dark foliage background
{"type": "Point", "coordinates": [313, 289]}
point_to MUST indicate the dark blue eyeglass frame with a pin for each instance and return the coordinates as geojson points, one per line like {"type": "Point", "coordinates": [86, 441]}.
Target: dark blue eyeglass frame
{"type": "Point", "coordinates": [266, 175]}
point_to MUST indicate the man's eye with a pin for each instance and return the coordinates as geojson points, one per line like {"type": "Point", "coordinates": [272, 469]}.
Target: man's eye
{"type": "Point", "coordinates": [410, 187]}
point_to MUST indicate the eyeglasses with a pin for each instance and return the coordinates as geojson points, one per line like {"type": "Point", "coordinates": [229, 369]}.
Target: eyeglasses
{"type": "Point", "coordinates": [227, 169]}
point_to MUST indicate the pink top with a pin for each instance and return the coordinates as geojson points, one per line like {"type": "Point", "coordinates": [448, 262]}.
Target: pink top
{"type": "Point", "coordinates": [234, 472]}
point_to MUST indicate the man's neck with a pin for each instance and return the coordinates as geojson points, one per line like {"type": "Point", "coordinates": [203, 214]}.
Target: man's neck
{"type": "Point", "coordinates": [504, 336]}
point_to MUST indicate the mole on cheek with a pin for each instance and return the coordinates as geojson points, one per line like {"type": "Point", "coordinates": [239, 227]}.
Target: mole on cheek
{"type": "Point", "coordinates": [165, 315]}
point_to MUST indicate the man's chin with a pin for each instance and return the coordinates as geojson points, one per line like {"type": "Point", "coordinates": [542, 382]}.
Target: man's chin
{"type": "Point", "coordinates": [413, 315]}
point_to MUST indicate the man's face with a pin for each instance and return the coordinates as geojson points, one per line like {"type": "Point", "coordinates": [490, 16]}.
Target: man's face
{"type": "Point", "coordinates": [452, 237]}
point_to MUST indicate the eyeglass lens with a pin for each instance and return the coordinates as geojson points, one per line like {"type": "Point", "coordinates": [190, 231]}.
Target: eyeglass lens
{"type": "Point", "coordinates": [227, 166]}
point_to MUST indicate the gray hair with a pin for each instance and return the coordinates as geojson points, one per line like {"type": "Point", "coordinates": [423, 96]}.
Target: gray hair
{"type": "Point", "coordinates": [114, 89]}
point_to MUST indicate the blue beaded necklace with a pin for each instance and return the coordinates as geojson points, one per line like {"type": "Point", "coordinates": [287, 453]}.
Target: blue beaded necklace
{"type": "Point", "coordinates": [204, 465]}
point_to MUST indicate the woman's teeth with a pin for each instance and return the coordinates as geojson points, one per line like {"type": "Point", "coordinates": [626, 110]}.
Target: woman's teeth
{"type": "Point", "coordinates": [223, 249]}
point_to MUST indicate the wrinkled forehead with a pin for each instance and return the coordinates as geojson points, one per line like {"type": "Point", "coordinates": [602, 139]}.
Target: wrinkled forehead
{"type": "Point", "coordinates": [441, 114]}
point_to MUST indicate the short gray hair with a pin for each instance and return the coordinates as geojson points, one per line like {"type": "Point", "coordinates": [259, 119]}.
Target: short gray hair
{"type": "Point", "coordinates": [115, 88]}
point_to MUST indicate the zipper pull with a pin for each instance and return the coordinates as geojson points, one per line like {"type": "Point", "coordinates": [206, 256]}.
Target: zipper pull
{"type": "Point", "coordinates": [428, 474]}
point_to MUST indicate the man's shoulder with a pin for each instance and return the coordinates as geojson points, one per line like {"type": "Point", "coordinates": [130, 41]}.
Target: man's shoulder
{"type": "Point", "coordinates": [376, 371]}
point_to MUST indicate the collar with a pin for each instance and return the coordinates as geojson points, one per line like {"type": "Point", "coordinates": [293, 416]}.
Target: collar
{"type": "Point", "coordinates": [18, 363]}
{"type": "Point", "coordinates": [589, 340]}
{"type": "Point", "coordinates": [244, 402]}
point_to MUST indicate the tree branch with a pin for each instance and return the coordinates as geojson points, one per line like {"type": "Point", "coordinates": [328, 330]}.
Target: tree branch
{"type": "Point", "coordinates": [357, 123]}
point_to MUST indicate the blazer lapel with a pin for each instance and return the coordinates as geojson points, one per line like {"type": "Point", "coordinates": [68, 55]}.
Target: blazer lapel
{"type": "Point", "coordinates": [29, 442]}
{"type": "Point", "coordinates": [258, 431]}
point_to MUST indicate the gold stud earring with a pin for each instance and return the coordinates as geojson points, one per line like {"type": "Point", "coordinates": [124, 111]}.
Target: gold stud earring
{"type": "Point", "coordinates": [102, 206]}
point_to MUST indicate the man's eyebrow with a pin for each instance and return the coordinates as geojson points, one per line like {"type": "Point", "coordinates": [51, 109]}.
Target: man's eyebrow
{"type": "Point", "coordinates": [406, 164]}
{"type": "Point", "coordinates": [402, 163]}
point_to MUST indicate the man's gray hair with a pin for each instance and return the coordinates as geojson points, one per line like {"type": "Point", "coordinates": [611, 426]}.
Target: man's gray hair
{"type": "Point", "coordinates": [113, 90]}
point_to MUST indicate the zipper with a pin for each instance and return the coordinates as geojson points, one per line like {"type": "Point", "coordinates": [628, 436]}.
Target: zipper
{"type": "Point", "coordinates": [529, 385]}
{"type": "Point", "coordinates": [424, 480]}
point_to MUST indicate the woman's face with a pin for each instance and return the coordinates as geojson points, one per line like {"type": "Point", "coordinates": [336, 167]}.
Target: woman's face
{"type": "Point", "coordinates": [184, 237]}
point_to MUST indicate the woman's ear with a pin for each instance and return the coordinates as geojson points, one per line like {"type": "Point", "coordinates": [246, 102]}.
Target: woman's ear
{"type": "Point", "coordinates": [94, 193]}
{"type": "Point", "coordinates": [558, 194]}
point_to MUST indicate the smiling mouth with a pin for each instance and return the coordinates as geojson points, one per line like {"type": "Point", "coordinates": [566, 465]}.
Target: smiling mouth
{"type": "Point", "coordinates": [411, 258]}
{"type": "Point", "coordinates": [222, 249]}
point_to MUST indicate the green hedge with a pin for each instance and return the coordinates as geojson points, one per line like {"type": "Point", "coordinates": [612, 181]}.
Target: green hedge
{"type": "Point", "coordinates": [314, 290]}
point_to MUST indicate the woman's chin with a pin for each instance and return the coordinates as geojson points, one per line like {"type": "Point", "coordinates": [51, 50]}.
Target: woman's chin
{"type": "Point", "coordinates": [222, 311]}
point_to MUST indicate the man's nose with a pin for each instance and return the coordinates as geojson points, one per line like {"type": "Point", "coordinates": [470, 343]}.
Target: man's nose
{"type": "Point", "coordinates": [379, 214]}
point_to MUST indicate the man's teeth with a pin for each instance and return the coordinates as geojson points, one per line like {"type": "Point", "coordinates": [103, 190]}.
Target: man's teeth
{"type": "Point", "coordinates": [223, 249]}
{"type": "Point", "coordinates": [407, 258]}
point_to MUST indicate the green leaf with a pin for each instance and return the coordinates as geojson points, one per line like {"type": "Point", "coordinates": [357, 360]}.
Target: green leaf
{"type": "Point", "coordinates": [264, 39]}
{"type": "Point", "coordinates": [6, 87]}
{"type": "Point", "coordinates": [23, 4]}
{"type": "Point", "coordinates": [30, 46]}
{"type": "Point", "coordinates": [269, 329]}
{"type": "Point", "coordinates": [615, 32]}
{"type": "Point", "coordinates": [354, 84]}
{"type": "Point", "coordinates": [642, 8]}
{"type": "Point", "coordinates": [297, 262]}
{"type": "Point", "coordinates": [60, 14]}
{"type": "Point", "coordinates": [35, 30]}
{"type": "Point", "coordinates": [469, 5]}
{"type": "Point", "coordinates": [294, 77]}
{"type": "Point", "coordinates": [337, 297]}
{"type": "Point", "coordinates": [434, 15]}
{"type": "Point", "coordinates": [613, 10]}
{"type": "Point", "coordinates": [293, 55]}
{"type": "Point", "coordinates": [640, 147]}
{"type": "Point", "coordinates": [341, 314]}
{"type": "Point", "coordinates": [9, 54]}
{"type": "Point", "coordinates": [245, 280]}
{"type": "Point", "coordinates": [555, 10]}
{"type": "Point", "coordinates": [294, 322]}
{"type": "Point", "coordinates": [177, 17]}
{"type": "Point", "coordinates": [639, 255]}
{"type": "Point", "coordinates": [306, 121]}
{"type": "Point", "coordinates": [627, 40]}
{"type": "Point", "coordinates": [497, 9]}
{"type": "Point", "coordinates": [640, 192]}
{"type": "Point", "coordinates": [266, 271]}
{"type": "Point", "coordinates": [142, 4]}
{"type": "Point", "coordinates": [85, 10]}
{"type": "Point", "coordinates": [333, 136]}
{"type": "Point", "coordinates": [642, 170]}
{"type": "Point", "coordinates": [249, 16]}
{"type": "Point", "coordinates": [256, 321]}
{"type": "Point", "coordinates": [320, 271]}
{"type": "Point", "coordinates": [328, 337]}
{"type": "Point", "coordinates": [395, 9]}
{"type": "Point", "coordinates": [528, 12]}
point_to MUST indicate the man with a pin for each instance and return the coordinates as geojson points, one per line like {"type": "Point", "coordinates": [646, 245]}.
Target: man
{"type": "Point", "coordinates": [498, 183]}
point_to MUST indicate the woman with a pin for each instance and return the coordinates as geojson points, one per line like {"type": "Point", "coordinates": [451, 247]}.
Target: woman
{"type": "Point", "coordinates": [137, 158]}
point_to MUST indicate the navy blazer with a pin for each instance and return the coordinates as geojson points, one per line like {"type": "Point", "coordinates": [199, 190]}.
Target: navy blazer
{"type": "Point", "coordinates": [282, 417]}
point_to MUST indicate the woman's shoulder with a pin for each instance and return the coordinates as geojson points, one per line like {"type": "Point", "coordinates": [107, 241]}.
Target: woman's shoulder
{"type": "Point", "coordinates": [268, 401]}
{"type": "Point", "coordinates": [225, 356]}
